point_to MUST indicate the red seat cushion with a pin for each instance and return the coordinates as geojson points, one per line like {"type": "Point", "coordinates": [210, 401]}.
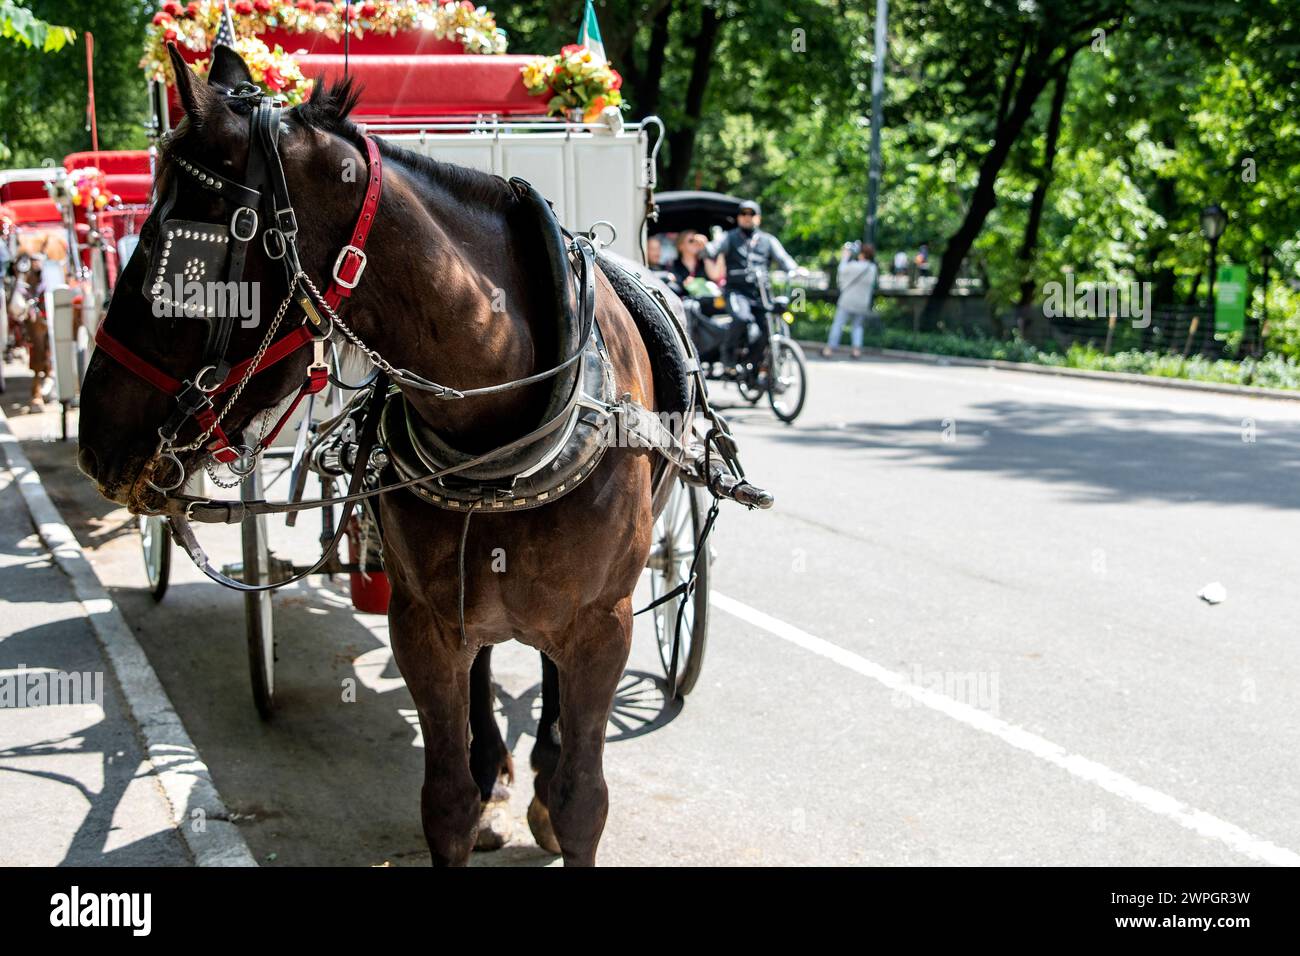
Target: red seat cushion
{"type": "Point", "coordinates": [23, 189]}
{"type": "Point", "coordinates": [134, 162]}
{"type": "Point", "coordinates": [34, 210]}
{"type": "Point", "coordinates": [403, 85]}
{"type": "Point", "coordinates": [133, 187]}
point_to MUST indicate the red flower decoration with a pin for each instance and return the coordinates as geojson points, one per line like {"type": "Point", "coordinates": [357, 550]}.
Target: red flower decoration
{"type": "Point", "coordinates": [172, 8]}
{"type": "Point", "coordinates": [571, 48]}
{"type": "Point", "coordinates": [324, 8]}
{"type": "Point", "coordinates": [160, 18]}
{"type": "Point", "coordinates": [169, 35]}
{"type": "Point", "coordinates": [368, 10]}
{"type": "Point", "coordinates": [244, 7]}
{"type": "Point", "coordinates": [618, 79]}
{"type": "Point", "coordinates": [308, 5]}
{"type": "Point", "coordinates": [263, 6]}
{"type": "Point", "coordinates": [465, 4]}
{"type": "Point", "coordinates": [273, 80]}
{"type": "Point", "coordinates": [192, 8]}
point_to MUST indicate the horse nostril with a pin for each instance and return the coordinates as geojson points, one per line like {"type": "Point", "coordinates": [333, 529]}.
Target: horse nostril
{"type": "Point", "coordinates": [88, 463]}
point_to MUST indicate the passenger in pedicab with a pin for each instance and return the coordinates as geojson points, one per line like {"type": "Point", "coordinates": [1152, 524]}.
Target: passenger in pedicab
{"type": "Point", "coordinates": [689, 264]}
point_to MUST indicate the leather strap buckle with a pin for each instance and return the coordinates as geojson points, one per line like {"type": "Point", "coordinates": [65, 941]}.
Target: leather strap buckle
{"type": "Point", "coordinates": [342, 260]}
{"type": "Point", "coordinates": [235, 220]}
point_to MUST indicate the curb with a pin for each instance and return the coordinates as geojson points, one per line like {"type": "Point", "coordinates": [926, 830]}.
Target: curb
{"type": "Point", "coordinates": [1156, 381]}
{"type": "Point", "coordinates": [180, 771]}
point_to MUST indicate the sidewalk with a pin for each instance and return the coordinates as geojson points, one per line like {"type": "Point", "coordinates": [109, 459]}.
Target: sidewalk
{"type": "Point", "coordinates": [75, 785]}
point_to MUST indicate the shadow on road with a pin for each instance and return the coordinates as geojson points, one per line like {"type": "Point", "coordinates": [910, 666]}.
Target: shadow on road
{"type": "Point", "coordinates": [1113, 453]}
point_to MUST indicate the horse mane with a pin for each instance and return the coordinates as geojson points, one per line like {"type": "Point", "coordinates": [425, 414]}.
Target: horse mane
{"type": "Point", "coordinates": [328, 109]}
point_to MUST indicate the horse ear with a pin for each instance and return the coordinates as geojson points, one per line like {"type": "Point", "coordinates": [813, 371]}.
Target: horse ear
{"type": "Point", "coordinates": [228, 68]}
{"type": "Point", "coordinates": [184, 79]}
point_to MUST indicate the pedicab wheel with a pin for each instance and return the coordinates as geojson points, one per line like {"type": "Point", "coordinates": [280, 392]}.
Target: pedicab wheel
{"type": "Point", "coordinates": [749, 390]}
{"type": "Point", "coordinates": [258, 616]}
{"type": "Point", "coordinates": [787, 385]}
{"type": "Point", "coordinates": [156, 547]}
{"type": "Point", "coordinates": [675, 535]}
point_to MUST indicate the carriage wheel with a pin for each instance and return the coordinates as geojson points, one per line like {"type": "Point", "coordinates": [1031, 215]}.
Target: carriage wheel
{"type": "Point", "coordinates": [258, 615]}
{"type": "Point", "coordinates": [156, 546]}
{"type": "Point", "coordinates": [787, 385]}
{"type": "Point", "coordinates": [675, 535]}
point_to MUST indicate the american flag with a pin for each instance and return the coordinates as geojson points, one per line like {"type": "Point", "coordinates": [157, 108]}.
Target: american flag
{"type": "Point", "coordinates": [226, 29]}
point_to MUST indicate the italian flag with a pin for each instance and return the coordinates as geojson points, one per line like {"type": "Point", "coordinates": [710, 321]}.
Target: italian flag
{"type": "Point", "coordinates": [589, 35]}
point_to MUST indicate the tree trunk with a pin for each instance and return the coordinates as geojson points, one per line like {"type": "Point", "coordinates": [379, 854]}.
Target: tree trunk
{"type": "Point", "coordinates": [651, 78]}
{"type": "Point", "coordinates": [681, 143]}
{"type": "Point", "coordinates": [984, 198]}
{"type": "Point", "coordinates": [1029, 246]}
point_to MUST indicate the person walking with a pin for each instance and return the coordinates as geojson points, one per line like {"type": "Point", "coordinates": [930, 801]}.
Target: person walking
{"type": "Point", "coordinates": [856, 279]}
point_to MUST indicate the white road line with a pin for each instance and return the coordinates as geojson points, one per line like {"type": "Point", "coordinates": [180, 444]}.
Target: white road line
{"type": "Point", "coordinates": [1198, 821]}
{"type": "Point", "coordinates": [995, 378]}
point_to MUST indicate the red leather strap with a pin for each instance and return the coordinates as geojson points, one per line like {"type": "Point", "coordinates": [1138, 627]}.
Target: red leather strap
{"type": "Point", "coordinates": [136, 365]}
{"type": "Point", "coordinates": [279, 350]}
{"type": "Point", "coordinates": [352, 260]}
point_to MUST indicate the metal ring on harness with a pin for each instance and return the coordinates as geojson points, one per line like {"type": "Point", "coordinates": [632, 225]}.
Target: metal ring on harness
{"type": "Point", "coordinates": [169, 456]}
{"type": "Point", "coordinates": [198, 380]}
{"type": "Point", "coordinates": [245, 464]}
{"type": "Point", "coordinates": [613, 233]}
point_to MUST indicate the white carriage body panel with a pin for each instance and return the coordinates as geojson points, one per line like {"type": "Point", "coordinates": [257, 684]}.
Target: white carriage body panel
{"type": "Point", "coordinates": [587, 176]}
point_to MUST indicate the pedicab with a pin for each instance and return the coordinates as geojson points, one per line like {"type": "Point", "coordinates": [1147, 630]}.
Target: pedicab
{"type": "Point", "coordinates": [769, 363]}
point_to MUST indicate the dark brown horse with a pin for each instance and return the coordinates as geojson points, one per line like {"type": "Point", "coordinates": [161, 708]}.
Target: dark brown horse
{"type": "Point", "coordinates": [445, 246]}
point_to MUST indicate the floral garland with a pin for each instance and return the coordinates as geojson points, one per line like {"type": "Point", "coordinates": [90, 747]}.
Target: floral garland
{"type": "Point", "coordinates": [192, 25]}
{"type": "Point", "coordinates": [273, 70]}
{"type": "Point", "coordinates": [573, 79]}
{"type": "Point", "coordinates": [85, 186]}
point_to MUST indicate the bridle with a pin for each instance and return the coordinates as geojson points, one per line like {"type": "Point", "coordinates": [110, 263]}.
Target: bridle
{"type": "Point", "coordinates": [183, 252]}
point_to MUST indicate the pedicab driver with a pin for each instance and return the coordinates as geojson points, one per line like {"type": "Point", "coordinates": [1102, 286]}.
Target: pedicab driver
{"type": "Point", "coordinates": [747, 252]}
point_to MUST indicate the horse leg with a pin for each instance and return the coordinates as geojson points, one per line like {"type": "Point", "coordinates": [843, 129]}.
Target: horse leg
{"type": "Point", "coordinates": [438, 678]}
{"type": "Point", "coordinates": [577, 797]}
{"type": "Point", "coordinates": [489, 760]}
{"type": "Point", "coordinates": [545, 756]}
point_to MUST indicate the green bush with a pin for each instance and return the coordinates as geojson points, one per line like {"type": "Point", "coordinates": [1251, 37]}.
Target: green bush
{"type": "Point", "coordinates": [1273, 371]}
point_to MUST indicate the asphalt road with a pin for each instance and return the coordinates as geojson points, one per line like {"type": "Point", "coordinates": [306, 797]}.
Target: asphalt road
{"type": "Point", "coordinates": [969, 633]}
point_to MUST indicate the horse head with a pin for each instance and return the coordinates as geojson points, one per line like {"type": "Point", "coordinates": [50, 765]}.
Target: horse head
{"type": "Point", "coordinates": [200, 296]}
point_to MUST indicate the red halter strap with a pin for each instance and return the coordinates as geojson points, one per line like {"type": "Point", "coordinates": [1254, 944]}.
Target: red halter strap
{"type": "Point", "coordinates": [348, 267]}
{"type": "Point", "coordinates": [351, 261]}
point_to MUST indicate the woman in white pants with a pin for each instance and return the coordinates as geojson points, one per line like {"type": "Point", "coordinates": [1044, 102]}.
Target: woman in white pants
{"type": "Point", "coordinates": [856, 279]}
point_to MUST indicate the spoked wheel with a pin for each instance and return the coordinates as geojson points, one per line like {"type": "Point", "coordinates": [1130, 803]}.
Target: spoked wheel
{"type": "Point", "coordinates": [156, 546]}
{"type": "Point", "coordinates": [787, 385]}
{"type": "Point", "coordinates": [749, 390]}
{"type": "Point", "coordinates": [675, 535]}
{"type": "Point", "coordinates": [258, 616]}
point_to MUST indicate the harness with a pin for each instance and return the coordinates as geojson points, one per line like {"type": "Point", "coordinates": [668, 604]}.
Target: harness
{"type": "Point", "coordinates": [184, 251]}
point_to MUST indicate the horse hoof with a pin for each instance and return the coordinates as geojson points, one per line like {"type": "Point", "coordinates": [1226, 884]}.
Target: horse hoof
{"type": "Point", "coordinates": [494, 823]}
{"type": "Point", "coordinates": [539, 821]}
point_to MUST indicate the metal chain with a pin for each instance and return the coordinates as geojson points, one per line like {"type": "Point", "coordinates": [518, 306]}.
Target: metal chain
{"type": "Point", "coordinates": [377, 360]}
{"type": "Point", "coordinates": [248, 376]}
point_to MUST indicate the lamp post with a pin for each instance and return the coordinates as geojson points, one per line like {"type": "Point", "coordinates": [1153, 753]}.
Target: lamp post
{"type": "Point", "coordinates": [1213, 222]}
{"type": "Point", "coordinates": [877, 120]}
{"type": "Point", "coordinates": [1265, 260]}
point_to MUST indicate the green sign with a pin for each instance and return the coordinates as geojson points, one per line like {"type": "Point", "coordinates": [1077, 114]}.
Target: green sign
{"type": "Point", "coordinates": [1230, 299]}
